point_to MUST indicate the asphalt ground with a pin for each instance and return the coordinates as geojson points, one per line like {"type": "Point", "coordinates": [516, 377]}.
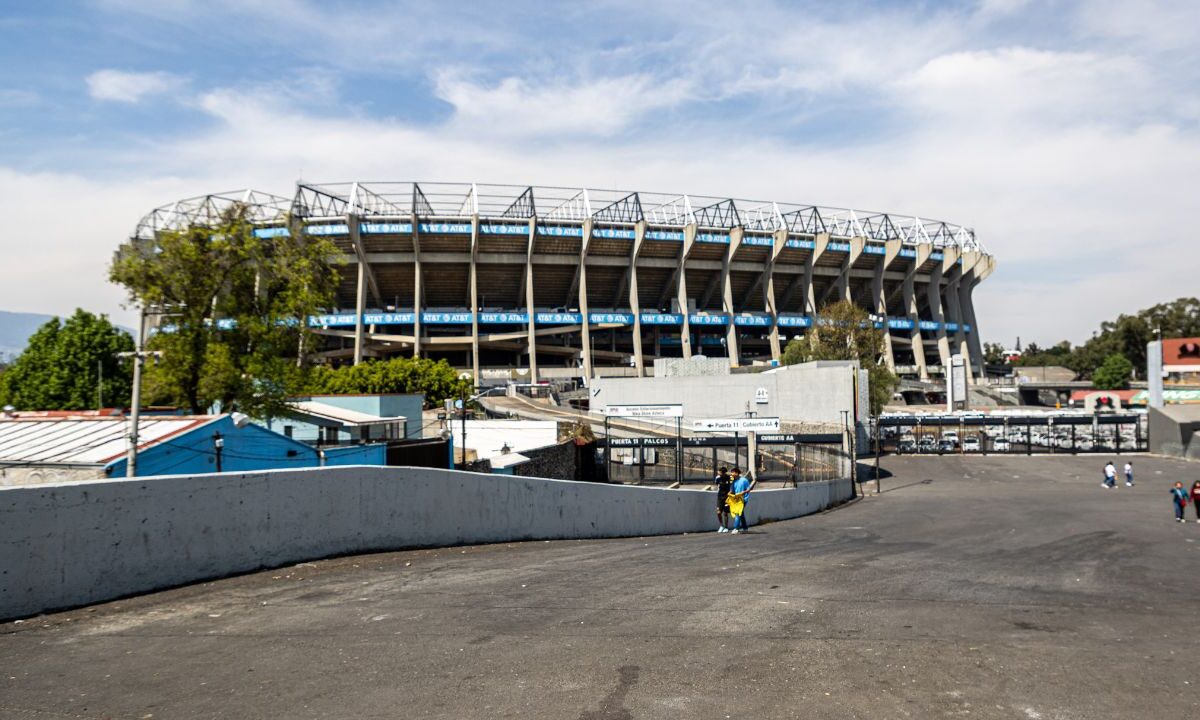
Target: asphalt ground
{"type": "Point", "coordinates": [984, 587]}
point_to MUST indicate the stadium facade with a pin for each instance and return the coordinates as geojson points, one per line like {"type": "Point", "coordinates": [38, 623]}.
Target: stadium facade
{"type": "Point", "coordinates": [570, 282]}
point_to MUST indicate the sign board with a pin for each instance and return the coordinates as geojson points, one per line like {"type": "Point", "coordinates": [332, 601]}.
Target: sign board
{"type": "Point", "coordinates": [1181, 355]}
{"type": "Point", "coordinates": [644, 411]}
{"type": "Point", "coordinates": [756, 424]}
{"type": "Point", "coordinates": [761, 396]}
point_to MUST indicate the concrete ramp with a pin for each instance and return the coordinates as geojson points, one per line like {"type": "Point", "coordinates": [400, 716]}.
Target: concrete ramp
{"type": "Point", "coordinates": [71, 544]}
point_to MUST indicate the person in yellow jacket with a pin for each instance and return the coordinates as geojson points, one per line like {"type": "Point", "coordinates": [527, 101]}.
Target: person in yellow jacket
{"type": "Point", "coordinates": [738, 496]}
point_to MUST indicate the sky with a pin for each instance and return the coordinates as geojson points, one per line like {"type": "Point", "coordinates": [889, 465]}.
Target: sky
{"type": "Point", "coordinates": [1067, 134]}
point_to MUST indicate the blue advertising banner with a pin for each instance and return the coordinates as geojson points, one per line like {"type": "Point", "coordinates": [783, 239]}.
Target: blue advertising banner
{"type": "Point", "coordinates": [838, 247]}
{"type": "Point", "coordinates": [341, 320]}
{"type": "Point", "coordinates": [761, 240]}
{"type": "Point", "coordinates": [446, 318]}
{"type": "Point", "coordinates": [703, 341]}
{"type": "Point", "coordinates": [385, 228]}
{"type": "Point", "coordinates": [935, 255]}
{"type": "Point", "coordinates": [445, 228]}
{"type": "Point", "coordinates": [558, 318]}
{"type": "Point", "coordinates": [620, 318]}
{"type": "Point", "coordinates": [392, 318]}
{"type": "Point", "coordinates": [270, 232]}
{"type": "Point", "coordinates": [875, 250]}
{"type": "Point", "coordinates": [800, 244]}
{"type": "Point", "coordinates": [503, 229]}
{"type": "Point", "coordinates": [664, 235]}
{"type": "Point", "coordinates": [327, 229]}
{"type": "Point", "coordinates": [908, 252]}
{"type": "Point", "coordinates": [559, 231]}
{"type": "Point", "coordinates": [752, 320]}
{"type": "Point", "coordinates": [708, 320]}
{"type": "Point", "coordinates": [501, 318]}
{"type": "Point", "coordinates": [929, 325]}
{"type": "Point", "coordinates": [795, 321]}
{"type": "Point", "coordinates": [712, 238]}
{"type": "Point", "coordinates": [617, 233]}
{"type": "Point", "coordinates": [900, 323]}
{"type": "Point", "coordinates": [662, 319]}
{"type": "Point", "coordinates": [953, 327]}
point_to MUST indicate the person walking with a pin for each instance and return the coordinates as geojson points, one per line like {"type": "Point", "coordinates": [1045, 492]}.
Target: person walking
{"type": "Point", "coordinates": [1196, 499]}
{"type": "Point", "coordinates": [1129, 473]}
{"type": "Point", "coordinates": [724, 482]}
{"type": "Point", "coordinates": [1110, 475]}
{"type": "Point", "coordinates": [739, 497]}
{"type": "Point", "coordinates": [1179, 498]}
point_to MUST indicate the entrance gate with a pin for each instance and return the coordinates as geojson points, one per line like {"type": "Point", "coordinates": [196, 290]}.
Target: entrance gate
{"type": "Point", "coordinates": [788, 458]}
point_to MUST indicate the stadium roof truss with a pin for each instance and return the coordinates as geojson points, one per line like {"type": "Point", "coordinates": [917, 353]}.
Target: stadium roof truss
{"type": "Point", "coordinates": [315, 202]}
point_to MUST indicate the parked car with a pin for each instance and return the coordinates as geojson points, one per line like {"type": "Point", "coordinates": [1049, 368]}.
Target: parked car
{"type": "Point", "coordinates": [970, 444]}
{"type": "Point", "coordinates": [1002, 444]}
{"type": "Point", "coordinates": [927, 444]}
{"type": "Point", "coordinates": [908, 445]}
{"type": "Point", "coordinates": [946, 446]}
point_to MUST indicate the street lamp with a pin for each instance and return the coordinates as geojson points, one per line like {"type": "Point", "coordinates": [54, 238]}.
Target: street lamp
{"type": "Point", "coordinates": [218, 446]}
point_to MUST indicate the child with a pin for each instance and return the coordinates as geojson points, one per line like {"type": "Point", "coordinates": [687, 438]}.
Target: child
{"type": "Point", "coordinates": [1128, 474]}
{"type": "Point", "coordinates": [1196, 499]}
{"type": "Point", "coordinates": [1110, 475]}
{"type": "Point", "coordinates": [1179, 498]}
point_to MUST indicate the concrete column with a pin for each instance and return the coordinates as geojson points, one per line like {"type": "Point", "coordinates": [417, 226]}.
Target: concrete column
{"type": "Point", "coordinates": [360, 306]}
{"type": "Point", "coordinates": [910, 303]}
{"type": "Point", "coordinates": [731, 343]}
{"type": "Point", "coordinates": [583, 301]}
{"type": "Point", "coordinates": [474, 289]}
{"type": "Point", "coordinates": [532, 334]}
{"type": "Point", "coordinates": [639, 235]}
{"type": "Point", "coordinates": [820, 243]}
{"type": "Point", "coordinates": [933, 292]}
{"type": "Point", "coordinates": [685, 329]}
{"type": "Point", "coordinates": [418, 289]}
{"type": "Point", "coordinates": [983, 267]}
{"type": "Point", "coordinates": [857, 245]}
{"type": "Point", "coordinates": [891, 252]}
{"type": "Point", "coordinates": [779, 242]}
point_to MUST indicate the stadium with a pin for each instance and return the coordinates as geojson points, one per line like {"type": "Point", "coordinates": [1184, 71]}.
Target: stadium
{"type": "Point", "coordinates": [574, 283]}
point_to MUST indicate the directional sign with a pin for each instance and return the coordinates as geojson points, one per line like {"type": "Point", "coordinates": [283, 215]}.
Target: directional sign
{"type": "Point", "coordinates": [755, 424]}
{"type": "Point", "coordinates": [644, 411]}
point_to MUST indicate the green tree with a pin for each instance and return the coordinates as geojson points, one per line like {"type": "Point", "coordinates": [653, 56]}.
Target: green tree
{"type": "Point", "coordinates": [235, 306]}
{"type": "Point", "coordinates": [993, 354]}
{"type": "Point", "coordinates": [436, 379]}
{"type": "Point", "coordinates": [61, 366]}
{"type": "Point", "coordinates": [843, 331]}
{"type": "Point", "coordinates": [1114, 374]}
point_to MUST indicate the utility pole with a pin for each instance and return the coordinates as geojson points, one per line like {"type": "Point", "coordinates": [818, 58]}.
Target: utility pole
{"type": "Point", "coordinates": [218, 446]}
{"type": "Point", "coordinates": [99, 384]}
{"type": "Point", "coordinates": [139, 356]}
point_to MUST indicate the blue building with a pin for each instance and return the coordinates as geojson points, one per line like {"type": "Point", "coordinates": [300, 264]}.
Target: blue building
{"type": "Point", "coordinates": [244, 447]}
{"type": "Point", "coordinates": [333, 419]}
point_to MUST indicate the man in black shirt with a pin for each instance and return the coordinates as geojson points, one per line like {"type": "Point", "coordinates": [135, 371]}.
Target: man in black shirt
{"type": "Point", "coordinates": [724, 482]}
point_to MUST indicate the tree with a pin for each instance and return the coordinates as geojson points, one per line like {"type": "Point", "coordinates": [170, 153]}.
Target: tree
{"type": "Point", "coordinates": [1114, 374]}
{"type": "Point", "coordinates": [993, 354]}
{"type": "Point", "coordinates": [61, 365]}
{"type": "Point", "coordinates": [437, 380]}
{"type": "Point", "coordinates": [843, 331]}
{"type": "Point", "coordinates": [235, 307]}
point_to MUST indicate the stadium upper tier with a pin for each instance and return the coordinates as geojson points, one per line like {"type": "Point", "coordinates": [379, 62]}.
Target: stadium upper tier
{"type": "Point", "coordinates": [313, 202]}
{"type": "Point", "coordinates": [578, 279]}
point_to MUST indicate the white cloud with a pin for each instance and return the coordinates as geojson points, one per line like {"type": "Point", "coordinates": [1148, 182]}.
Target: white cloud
{"type": "Point", "coordinates": [130, 87]}
{"type": "Point", "coordinates": [515, 106]}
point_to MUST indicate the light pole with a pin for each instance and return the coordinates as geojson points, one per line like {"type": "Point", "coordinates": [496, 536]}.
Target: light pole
{"type": "Point", "coordinates": [139, 356]}
{"type": "Point", "coordinates": [218, 446]}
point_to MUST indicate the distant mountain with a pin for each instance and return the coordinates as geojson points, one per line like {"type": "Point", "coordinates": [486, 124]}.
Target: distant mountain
{"type": "Point", "coordinates": [15, 329]}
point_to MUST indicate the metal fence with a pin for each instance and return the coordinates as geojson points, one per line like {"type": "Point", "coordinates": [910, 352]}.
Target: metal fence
{"type": "Point", "coordinates": [787, 459]}
{"type": "Point", "coordinates": [1025, 435]}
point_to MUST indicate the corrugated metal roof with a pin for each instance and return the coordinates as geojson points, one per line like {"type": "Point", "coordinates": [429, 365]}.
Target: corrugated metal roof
{"type": "Point", "coordinates": [84, 440]}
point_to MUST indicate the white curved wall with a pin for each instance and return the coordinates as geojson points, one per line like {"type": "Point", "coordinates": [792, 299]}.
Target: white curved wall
{"type": "Point", "coordinates": [70, 544]}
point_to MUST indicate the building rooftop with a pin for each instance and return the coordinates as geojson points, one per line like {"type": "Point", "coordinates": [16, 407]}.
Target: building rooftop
{"type": "Point", "coordinates": [83, 438]}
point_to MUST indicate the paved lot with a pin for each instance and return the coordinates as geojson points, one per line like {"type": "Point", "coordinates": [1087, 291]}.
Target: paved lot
{"type": "Point", "coordinates": [972, 587]}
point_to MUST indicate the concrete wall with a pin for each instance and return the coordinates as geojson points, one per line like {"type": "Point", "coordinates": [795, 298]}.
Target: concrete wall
{"type": "Point", "coordinates": [77, 543]}
{"type": "Point", "coordinates": [812, 392]}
